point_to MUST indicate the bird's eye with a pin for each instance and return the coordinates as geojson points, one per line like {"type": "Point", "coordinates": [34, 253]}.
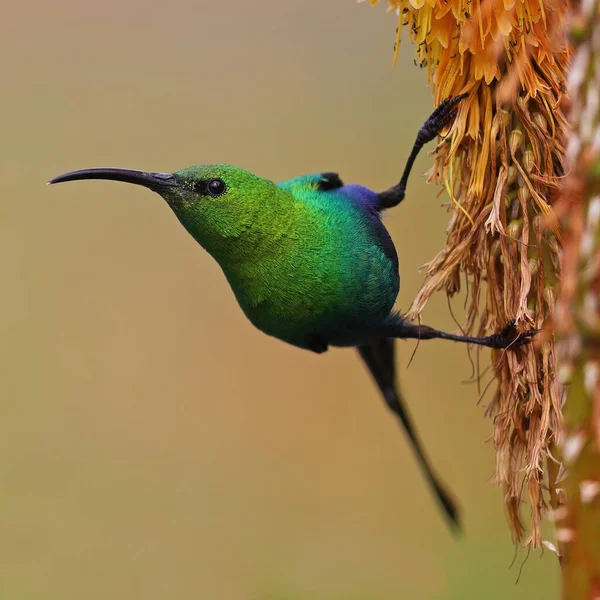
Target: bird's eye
{"type": "Point", "coordinates": [216, 187]}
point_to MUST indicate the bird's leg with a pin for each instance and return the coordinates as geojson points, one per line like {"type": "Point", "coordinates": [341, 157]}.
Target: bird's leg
{"type": "Point", "coordinates": [508, 337]}
{"type": "Point", "coordinates": [441, 116]}
{"type": "Point", "coordinates": [379, 358]}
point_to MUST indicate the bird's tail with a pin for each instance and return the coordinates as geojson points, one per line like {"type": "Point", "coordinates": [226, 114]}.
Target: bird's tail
{"type": "Point", "coordinates": [379, 357]}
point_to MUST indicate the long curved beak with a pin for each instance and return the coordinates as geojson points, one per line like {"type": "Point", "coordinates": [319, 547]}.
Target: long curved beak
{"type": "Point", "coordinates": [154, 181]}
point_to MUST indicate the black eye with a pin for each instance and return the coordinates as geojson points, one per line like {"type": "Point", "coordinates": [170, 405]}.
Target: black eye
{"type": "Point", "coordinates": [216, 187]}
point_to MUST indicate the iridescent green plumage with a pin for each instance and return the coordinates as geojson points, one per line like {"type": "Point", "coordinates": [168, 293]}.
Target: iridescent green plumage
{"type": "Point", "coordinates": [310, 265]}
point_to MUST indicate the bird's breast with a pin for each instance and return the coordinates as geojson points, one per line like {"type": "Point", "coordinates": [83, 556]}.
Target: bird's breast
{"type": "Point", "coordinates": [317, 281]}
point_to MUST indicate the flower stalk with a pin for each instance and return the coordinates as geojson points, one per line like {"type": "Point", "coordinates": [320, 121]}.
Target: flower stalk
{"type": "Point", "coordinates": [578, 314]}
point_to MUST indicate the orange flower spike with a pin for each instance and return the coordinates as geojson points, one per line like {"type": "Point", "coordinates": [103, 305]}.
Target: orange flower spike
{"type": "Point", "coordinates": [501, 167]}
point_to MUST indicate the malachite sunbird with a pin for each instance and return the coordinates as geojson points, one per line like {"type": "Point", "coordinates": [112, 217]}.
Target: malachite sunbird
{"type": "Point", "coordinates": [310, 261]}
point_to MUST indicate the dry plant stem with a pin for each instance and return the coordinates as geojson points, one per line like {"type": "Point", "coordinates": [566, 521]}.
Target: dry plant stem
{"type": "Point", "coordinates": [502, 165]}
{"type": "Point", "coordinates": [578, 315]}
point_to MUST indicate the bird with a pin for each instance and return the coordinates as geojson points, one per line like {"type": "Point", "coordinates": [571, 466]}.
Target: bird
{"type": "Point", "coordinates": [311, 262]}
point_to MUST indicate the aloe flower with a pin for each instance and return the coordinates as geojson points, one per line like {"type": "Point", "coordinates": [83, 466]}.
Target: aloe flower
{"type": "Point", "coordinates": [501, 165]}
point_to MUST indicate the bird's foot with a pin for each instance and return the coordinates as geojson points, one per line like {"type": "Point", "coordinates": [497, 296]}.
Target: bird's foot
{"type": "Point", "coordinates": [444, 114]}
{"type": "Point", "coordinates": [509, 337]}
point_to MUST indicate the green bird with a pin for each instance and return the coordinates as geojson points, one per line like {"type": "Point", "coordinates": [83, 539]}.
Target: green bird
{"type": "Point", "coordinates": [310, 261]}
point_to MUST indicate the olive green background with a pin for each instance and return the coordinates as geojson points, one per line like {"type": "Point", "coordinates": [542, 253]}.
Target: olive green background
{"type": "Point", "coordinates": [152, 443]}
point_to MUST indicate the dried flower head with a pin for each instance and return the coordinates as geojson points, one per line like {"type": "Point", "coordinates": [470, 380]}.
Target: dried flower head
{"type": "Point", "coordinates": [501, 166]}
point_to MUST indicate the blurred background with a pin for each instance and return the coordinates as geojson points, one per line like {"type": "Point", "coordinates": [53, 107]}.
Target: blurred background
{"type": "Point", "coordinates": [153, 443]}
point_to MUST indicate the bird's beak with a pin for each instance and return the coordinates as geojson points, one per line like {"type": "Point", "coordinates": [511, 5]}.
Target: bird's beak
{"type": "Point", "coordinates": [154, 181]}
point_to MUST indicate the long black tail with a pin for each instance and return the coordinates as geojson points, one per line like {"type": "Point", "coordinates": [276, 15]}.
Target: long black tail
{"type": "Point", "coordinates": [379, 357]}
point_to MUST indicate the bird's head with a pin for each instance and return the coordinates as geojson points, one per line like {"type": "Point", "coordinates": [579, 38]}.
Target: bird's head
{"type": "Point", "coordinates": [221, 206]}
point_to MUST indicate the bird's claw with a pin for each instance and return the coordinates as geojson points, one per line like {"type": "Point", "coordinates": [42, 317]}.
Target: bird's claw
{"type": "Point", "coordinates": [509, 337]}
{"type": "Point", "coordinates": [439, 118]}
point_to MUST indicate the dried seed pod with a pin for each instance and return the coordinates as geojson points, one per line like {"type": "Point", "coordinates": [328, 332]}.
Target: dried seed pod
{"type": "Point", "coordinates": [540, 121]}
{"type": "Point", "coordinates": [515, 141]}
{"type": "Point", "coordinates": [528, 160]}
